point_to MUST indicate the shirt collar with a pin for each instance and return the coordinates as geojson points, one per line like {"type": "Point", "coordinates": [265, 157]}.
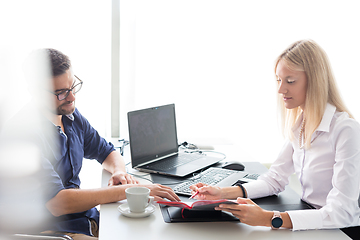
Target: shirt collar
{"type": "Point", "coordinates": [70, 116]}
{"type": "Point", "coordinates": [324, 125]}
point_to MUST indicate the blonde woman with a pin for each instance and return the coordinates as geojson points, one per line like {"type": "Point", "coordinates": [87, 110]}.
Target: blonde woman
{"type": "Point", "coordinates": [322, 148]}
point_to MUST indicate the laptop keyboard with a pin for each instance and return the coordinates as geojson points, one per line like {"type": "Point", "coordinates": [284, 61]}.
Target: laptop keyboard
{"type": "Point", "coordinates": [175, 161]}
{"type": "Point", "coordinates": [211, 176]}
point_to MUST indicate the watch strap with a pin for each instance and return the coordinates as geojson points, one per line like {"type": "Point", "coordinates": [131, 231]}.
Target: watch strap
{"type": "Point", "coordinates": [239, 184]}
{"type": "Point", "coordinates": [276, 221]}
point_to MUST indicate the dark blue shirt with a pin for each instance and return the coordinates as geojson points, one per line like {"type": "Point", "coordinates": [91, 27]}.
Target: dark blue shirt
{"type": "Point", "coordinates": [62, 162]}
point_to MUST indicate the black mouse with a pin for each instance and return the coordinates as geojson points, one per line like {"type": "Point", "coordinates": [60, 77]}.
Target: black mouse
{"type": "Point", "coordinates": [234, 166]}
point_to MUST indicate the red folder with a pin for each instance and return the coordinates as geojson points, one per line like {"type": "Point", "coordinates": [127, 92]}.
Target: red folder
{"type": "Point", "coordinates": [202, 205]}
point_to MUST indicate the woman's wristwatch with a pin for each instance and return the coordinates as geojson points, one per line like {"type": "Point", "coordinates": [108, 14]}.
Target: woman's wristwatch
{"type": "Point", "coordinates": [276, 221]}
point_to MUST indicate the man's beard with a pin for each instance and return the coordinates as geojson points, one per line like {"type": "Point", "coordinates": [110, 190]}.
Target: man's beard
{"type": "Point", "coordinates": [61, 111]}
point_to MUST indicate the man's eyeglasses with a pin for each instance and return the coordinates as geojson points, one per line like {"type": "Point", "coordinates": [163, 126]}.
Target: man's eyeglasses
{"type": "Point", "coordinates": [65, 93]}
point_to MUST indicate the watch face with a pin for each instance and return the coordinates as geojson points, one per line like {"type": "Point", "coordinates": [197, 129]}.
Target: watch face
{"type": "Point", "coordinates": [277, 222]}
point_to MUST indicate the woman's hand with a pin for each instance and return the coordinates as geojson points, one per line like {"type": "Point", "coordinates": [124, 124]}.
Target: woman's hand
{"type": "Point", "coordinates": [121, 177]}
{"type": "Point", "coordinates": [206, 192]}
{"type": "Point", "coordinates": [248, 212]}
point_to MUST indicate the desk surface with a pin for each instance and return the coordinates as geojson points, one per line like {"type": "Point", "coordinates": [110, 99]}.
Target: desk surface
{"type": "Point", "coordinates": [113, 225]}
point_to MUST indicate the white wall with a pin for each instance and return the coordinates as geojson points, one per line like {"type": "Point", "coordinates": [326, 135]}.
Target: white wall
{"type": "Point", "coordinates": [214, 59]}
{"type": "Point", "coordinates": [81, 29]}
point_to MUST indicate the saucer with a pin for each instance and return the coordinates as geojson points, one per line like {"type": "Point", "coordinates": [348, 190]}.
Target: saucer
{"type": "Point", "coordinates": [125, 210]}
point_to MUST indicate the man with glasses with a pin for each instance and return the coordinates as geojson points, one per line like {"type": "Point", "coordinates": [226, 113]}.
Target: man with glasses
{"type": "Point", "coordinates": [74, 208]}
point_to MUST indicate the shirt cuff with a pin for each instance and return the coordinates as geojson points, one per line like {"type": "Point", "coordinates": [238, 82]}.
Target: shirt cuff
{"type": "Point", "coordinates": [256, 189]}
{"type": "Point", "coordinates": [306, 219]}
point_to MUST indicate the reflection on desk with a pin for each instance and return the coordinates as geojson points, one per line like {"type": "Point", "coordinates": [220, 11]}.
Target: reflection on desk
{"type": "Point", "coordinates": [113, 225]}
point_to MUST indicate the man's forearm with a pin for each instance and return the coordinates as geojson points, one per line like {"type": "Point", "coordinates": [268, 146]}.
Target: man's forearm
{"type": "Point", "coordinates": [114, 162]}
{"type": "Point", "coordinates": [78, 200]}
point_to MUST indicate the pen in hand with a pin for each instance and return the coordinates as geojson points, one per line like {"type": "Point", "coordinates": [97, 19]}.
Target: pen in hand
{"type": "Point", "coordinates": [192, 196]}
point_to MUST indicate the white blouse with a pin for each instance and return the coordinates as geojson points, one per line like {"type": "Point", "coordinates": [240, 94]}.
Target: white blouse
{"type": "Point", "coordinates": [329, 173]}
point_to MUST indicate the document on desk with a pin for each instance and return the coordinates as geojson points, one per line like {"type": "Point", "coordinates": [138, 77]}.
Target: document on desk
{"type": "Point", "coordinates": [201, 205]}
{"type": "Point", "coordinates": [199, 211]}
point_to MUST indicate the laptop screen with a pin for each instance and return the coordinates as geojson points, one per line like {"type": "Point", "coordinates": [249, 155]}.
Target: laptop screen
{"type": "Point", "coordinates": [152, 133]}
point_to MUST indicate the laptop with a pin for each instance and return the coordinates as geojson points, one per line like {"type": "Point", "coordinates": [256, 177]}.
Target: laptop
{"type": "Point", "coordinates": [154, 145]}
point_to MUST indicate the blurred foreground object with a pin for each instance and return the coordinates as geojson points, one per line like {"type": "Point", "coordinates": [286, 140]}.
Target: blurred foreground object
{"type": "Point", "coordinates": [22, 205]}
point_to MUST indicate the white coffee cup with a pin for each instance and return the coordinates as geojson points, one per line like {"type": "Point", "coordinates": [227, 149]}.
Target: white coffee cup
{"type": "Point", "coordinates": [138, 199]}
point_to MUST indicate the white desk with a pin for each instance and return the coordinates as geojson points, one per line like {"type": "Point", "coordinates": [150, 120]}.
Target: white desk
{"type": "Point", "coordinates": [113, 225]}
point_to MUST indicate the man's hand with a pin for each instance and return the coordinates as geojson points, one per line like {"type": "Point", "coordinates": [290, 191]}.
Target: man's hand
{"type": "Point", "coordinates": [160, 192]}
{"type": "Point", "coordinates": [121, 177]}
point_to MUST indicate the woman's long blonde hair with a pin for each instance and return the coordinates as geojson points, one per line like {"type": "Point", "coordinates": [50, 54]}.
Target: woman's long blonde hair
{"type": "Point", "coordinates": [308, 56]}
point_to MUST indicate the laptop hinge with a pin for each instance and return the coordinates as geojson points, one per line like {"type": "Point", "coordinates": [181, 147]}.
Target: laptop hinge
{"type": "Point", "coordinates": [157, 159]}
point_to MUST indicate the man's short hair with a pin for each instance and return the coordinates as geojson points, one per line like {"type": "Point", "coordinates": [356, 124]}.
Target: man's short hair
{"type": "Point", "coordinates": [60, 63]}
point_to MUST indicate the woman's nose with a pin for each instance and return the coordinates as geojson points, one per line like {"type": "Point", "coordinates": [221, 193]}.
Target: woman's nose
{"type": "Point", "coordinates": [281, 88]}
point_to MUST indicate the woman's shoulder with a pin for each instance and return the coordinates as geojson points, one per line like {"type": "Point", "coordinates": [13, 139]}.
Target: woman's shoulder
{"type": "Point", "coordinates": [342, 120]}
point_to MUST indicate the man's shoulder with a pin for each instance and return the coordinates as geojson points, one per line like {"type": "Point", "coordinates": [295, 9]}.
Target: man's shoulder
{"type": "Point", "coordinates": [76, 112]}
{"type": "Point", "coordinates": [78, 120]}
{"type": "Point", "coordinates": [77, 116]}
